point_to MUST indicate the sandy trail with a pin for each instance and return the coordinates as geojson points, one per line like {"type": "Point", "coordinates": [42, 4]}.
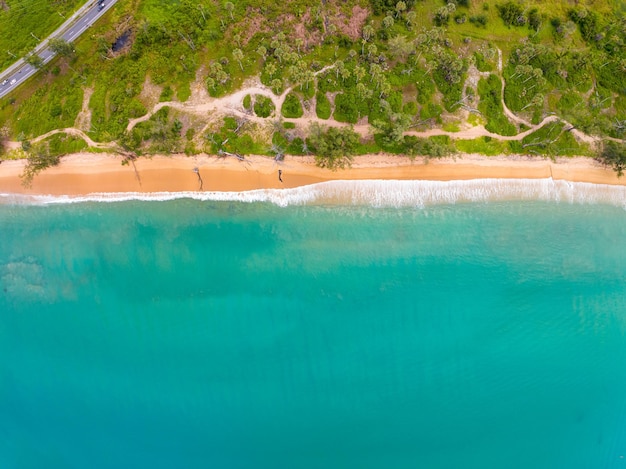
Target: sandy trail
{"type": "Point", "coordinates": [233, 105]}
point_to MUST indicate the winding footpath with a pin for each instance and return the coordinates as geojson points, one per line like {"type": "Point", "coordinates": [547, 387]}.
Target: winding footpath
{"type": "Point", "coordinates": [232, 105]}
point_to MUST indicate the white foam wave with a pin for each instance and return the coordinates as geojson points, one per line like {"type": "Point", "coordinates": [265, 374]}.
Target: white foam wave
{"type": "Point", "coordinates": [377, 193]}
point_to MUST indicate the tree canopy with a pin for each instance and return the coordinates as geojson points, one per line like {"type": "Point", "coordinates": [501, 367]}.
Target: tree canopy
{"type": "Point", "coordinates": [334, 147]}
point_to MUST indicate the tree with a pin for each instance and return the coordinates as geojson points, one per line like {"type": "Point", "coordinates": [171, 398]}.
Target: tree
{"type": "Point", "coordinates": [334, 147]}
{"type": "Point", "coordinates": [345, 74]}
{"type": "Point", "coordinates": [400, 47]}
{"type": "Point", "coordinates": [359, 73]}
{"type": "Point", "coordinates": [33, 60]}
{"type": "Point", "coordinates": [276, 85]}
{"type": "Point", "coordinates": [368, 33]}
{"type": "Point", "coordinates": [230, 8]}
{"type": "Point", "coordinates": [371, 50]}
{"type": "Point", "coordinates": [339, 67]}
{"type": "Point", "coordinates": [363, 91]}
{"type": "Point", "coordinates": [410, 19]}
{"type": "Point", "coordinates": [4, 135]}
{"type": "Point", "coordinates": [262, 51]}
{"type": "Point", "coordinates": [61, 47]}
{"type": "Point", "coordinates": [400, 8]}
{"type": "Point", "coordinates": [512, 14]}
{"type": "Point", "coordinates": [299, 44]}
{"type": "Point", "coordinates": [613, 154]}
{"type": "Point", "coordinates": [442, 15]}
{"type": "Point", "coordinates": [388, 22]}
{"type": "Point", "coordinates": [39, 158]}
{"type": "Point", "coordinates": [534, 19]}
{"type": "Point", "coordinates": [238, 56]}
{"type": "Point", "coordinates": [535, 102]}
{"type": "Point", "coordinates": [392, 128]}
{"type": "Point", "coordinates": [270, 69]}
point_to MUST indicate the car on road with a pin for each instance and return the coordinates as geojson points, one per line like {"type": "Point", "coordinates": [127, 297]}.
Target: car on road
{"type": "Point", "coordinates": [100, 6]}
{"type": "Point", "coordinates": [4, 82]}
{"type": "Point", "coordinates": [13, 81]}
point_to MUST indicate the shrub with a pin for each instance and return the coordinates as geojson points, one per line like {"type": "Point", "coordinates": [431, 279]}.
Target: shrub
{"type": "Point", "coordinates": [449, 76]}
{"type": "Point", "coordinates": [481, 63]}
{"type": "Point", "coordinates": [491, 106]}
{"type": "Point", "coordinates": [613, 154]}
{"type": "Point", "coordinates": [438, 146]}
{"type": "Point", "coordinates": [512, 14]}
{"type": "Point", "coordinates": [263, 106]}
{"type": "Point", "coordinates": [322, 106]}
{"type": "Point", "coordinates": [479, 20]}
{"type": "Point", "coordinates": [587, 21]}
{"type": "Point", "coordinates": [167, 94]}
{"type": "Point", "coordinates": [534, 19]}
{"type": "Point", "coordinates": [410, 108]}
{"type": "Point", "coordinates": [291, 107]}
{"type": "Point", "coordinates": [346, 108]}
{"type": "Point", "coordinates": [333, 147]}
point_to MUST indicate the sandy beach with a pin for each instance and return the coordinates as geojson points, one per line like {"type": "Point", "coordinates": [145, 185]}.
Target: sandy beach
{"type": "Point", "coordinates": [86, 173]}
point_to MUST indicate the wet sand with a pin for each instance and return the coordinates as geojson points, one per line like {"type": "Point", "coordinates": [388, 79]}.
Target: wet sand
{"type": "Point", "coordinates": [86, 173]}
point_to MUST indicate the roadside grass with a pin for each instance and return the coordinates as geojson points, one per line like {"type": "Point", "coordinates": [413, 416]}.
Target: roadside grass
{"type": "Point", "coordinates": [20, 18]}
{"type": "Point", "coordinates": [52, 106]}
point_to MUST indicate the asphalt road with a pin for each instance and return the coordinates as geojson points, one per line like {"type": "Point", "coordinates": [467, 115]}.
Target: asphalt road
{"type": "Point", "coordinates": [70, 31]}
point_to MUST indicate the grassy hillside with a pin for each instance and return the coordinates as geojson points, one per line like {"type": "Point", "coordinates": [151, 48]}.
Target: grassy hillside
{"type": "Point", "coordinates": [399, 66]}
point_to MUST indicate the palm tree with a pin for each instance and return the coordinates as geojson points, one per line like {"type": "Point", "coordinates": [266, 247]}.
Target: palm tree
{"type": "Point", "coordinates": [230, 8]}
{"type": "Point", "coordinates": [238, 56]}
{"type": "Point", "coordinates": [400, 7]}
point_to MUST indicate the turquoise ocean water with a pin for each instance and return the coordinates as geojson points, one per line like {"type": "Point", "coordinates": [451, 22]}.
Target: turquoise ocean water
{"type": "Point", "coordinates": [221, 334]}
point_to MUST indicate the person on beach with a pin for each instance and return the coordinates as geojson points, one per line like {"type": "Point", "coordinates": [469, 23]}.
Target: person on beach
{"type": "Point", "coordinates": [280, 175]}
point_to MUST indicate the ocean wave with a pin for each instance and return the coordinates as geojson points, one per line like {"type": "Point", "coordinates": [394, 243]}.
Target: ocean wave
{"type": "Point", "coordinates": [376, 193]}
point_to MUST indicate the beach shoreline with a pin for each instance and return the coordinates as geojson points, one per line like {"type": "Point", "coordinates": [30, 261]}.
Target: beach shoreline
{"type": "Point", "coordinates": [88, 173]}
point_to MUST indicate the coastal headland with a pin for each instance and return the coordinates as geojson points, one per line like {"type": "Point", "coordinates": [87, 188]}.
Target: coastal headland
{"type": "Point", "coordinates": [87, 173]}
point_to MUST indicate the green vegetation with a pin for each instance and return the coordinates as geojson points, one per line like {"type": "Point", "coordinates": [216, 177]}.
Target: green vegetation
{"type": "Point", "coordinates": [291, 108]}
{"type": "Point", "coordinates": [159, 134]}
{"type": "Point", "coordinates": [322, 105]}
{"type": "Point", "coordinates": [491, 106]}
{"type": "Point", "coordinates": [483, 145]}
{"type": "Point", "coordinates": [437, 147]}
{"type": "Point", "coordinates": [24, 22]}
{"type": "Point", "coordinates": [613, 154]}
{"type": "Point", "coordinates": [48, 153]}
{"type": "Point", "coordinates": [333, 147]}
{"type": "Point", "coordinates": [247, 102]}
{"type": "Point", "coordinates": [553, 139]}
{"type": "Point", "coordinates": [399, 67]}
{"type": "Point", "coordinates": [263, 106]}
{"type": "Point", "coordinates": [232, 138]}
{"type": "Point", "coordinates": [346, 108]}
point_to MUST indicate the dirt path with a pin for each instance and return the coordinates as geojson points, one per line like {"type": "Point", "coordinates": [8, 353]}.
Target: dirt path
{"type": "Point", "coordinates": [233, 105]}
{"type": "Point", "coordinates": [83, 119]}
{"type": "Point", "coordinates": [76, 133]}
